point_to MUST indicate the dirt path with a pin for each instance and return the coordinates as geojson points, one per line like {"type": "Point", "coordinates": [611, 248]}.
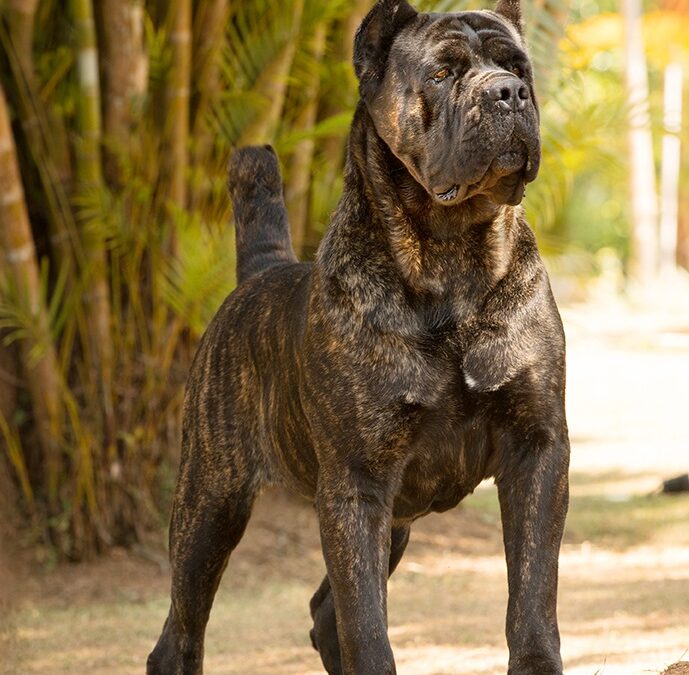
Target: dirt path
{"type": "Point", "coordinates": [624, 598]}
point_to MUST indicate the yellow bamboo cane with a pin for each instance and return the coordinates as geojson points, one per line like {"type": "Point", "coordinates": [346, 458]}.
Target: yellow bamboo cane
{"type": "Point", "coordinates": [44, 130]}
{"type": "Point", "coordinates": [125, 65]}
{"type": "Point", "coordinates": [297, 189]}
{"type": "Point", "coordinates": [19, 253]}
{"type": "Point", "coordinates": [210, 19]}
{"type": "Point", "coordinates": [178, 99]}
{"type": "Point", "coordinates": [334, 146]}
{"type": "Point", "coordinates": [90, 181]}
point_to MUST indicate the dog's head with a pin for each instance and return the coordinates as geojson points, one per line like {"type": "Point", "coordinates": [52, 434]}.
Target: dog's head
{"type": "Point", "coordinates": [452, 96]}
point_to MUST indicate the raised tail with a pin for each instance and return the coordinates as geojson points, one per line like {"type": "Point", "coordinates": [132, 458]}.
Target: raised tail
{"type": "Point", "coordinates": [263, 236]}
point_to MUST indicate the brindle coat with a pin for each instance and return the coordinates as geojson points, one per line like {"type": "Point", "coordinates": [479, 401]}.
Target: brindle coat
{"type": "Point", "coordinates": [421, 353]}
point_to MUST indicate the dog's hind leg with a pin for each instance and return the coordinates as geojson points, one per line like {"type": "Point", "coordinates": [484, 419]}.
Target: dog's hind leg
{"type": "Point", "coordinates": [324, 631]}
{"type": "Point", "coordinates": [209, 516]}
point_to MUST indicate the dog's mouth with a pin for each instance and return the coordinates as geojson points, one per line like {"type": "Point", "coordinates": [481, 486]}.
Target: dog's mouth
{"type": "Point", "coordinates": [449, 196]}
{"type": "Point", "coordinates": [503, 178]}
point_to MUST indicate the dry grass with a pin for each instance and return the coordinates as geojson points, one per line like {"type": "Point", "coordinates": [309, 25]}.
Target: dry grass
{"type": "Point", "coordinates": [623, 608]}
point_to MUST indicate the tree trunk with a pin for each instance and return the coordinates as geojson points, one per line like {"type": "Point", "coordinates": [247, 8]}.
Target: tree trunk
{"type": "Point", "coordinates": [297, 190]}
{"type": "Point", "coordinates": [37, 350]}
{"type": "Point", "coordinates": [90, 182]}
{"type": "Point", "coordinates": [272, 86]}
{"type": "Point", "coordinates": [644, 240]}
{"type": "Point", "coordinates": [125, 69]}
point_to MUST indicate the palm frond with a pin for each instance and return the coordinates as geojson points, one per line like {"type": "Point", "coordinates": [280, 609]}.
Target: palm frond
{"type": "Point", "coordinates": [195, 284]}
{"type": "Point", "coordinates": [20, 320]}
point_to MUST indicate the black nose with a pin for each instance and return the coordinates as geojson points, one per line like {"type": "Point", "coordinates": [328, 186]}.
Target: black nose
{"type": "Point", "coordinates": [508, 93]}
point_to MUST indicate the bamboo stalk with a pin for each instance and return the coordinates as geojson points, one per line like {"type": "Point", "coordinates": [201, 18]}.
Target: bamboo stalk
{"type": "Point", "coordinates": [352, 23]}
{"type": "Point", "coordinates": [20, 16]}
{"type": "Point", "coordinates": [45, 133]}
{"type": "Point", "coordinates": [43, 376]}
{"type": "Point", "coordinates": [177, 96]}
{"type": "Point", "coordinates": [90, 181]}
{"type": "Point", "coordinates": [209, 24]}
{"type": "Point", "coordinates": [175, 121]}
{"type": "Point", "coordinates": [9, 388]}
{"type": "Point", "coordinates": [334, 146]}
{"type": "Point", "coordinates": [643, 265]}
{"type": "Point", "coordinates": [210, 19]}
{"type": "Point", "coordinates": [683, 232]}
{"type": "Point", "coordinates": [125, 67]}
{"type": "Point", "coordinates": [272, 86]}
{"type": "Point", "coordinates": [297, 189]}
{"type": "Point", "coordinates": [671, 168]}
{"type": "Point", "coordinates": [9, 382]}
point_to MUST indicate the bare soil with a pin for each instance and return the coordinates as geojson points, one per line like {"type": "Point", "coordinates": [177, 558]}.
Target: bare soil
{"type": "Point", "coordinates": [624, 590]}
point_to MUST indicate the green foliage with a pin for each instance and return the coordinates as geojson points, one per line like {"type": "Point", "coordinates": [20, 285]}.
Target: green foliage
{"type": "Point", "coordinates": [579, 152]}
{"type": "Point", "coordinates": [196, 282]}
{"type": "Point", "coordinates": [19, 320]}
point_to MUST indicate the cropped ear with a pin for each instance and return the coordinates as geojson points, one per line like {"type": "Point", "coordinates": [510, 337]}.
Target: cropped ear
{"type": "Point", "coordinates": [374, 39]}
{"type": "Point", "coordinates": [511, 10]}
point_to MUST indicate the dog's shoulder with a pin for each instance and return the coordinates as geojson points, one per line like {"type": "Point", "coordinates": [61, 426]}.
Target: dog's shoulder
{"type": "Point", "coordinates": [518, 326]}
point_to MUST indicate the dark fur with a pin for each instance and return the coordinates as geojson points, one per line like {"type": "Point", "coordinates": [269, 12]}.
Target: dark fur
{"type": "Point", "coordinates": [421, 353]}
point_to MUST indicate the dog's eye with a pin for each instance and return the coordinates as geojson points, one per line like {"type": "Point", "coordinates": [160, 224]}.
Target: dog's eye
{"type": "Point", "coordinates": [441, 75]}
{"type": "Point", "coordinates": [518, 71]}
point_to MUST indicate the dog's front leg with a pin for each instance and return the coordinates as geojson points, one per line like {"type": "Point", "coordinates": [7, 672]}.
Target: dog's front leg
{"type": "Point", "coordinates": [355, 522]}
{"type": "Point", "coordinates": [533, 491]}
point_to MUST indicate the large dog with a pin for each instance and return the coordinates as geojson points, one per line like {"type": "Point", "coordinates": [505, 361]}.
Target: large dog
{"type": "Point", "coordinates": [420, 354]}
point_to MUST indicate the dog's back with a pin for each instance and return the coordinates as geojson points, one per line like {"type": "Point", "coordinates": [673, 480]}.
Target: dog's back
{"type": "Point", "coordinates": [263, 236]}
{"type": "Point", "coordinates": [251, 346]}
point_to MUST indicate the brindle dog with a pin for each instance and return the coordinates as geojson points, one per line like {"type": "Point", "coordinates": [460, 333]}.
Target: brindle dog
{"type": "Point", "coordinates": [421, 353]}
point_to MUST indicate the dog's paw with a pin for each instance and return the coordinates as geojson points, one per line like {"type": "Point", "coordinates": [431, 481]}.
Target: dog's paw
{"type": "Point", "coordinates": [535, 665]}
{"type": "Point", "coordinates": [325, 642]}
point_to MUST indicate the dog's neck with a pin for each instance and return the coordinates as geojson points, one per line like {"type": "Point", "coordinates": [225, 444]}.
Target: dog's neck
{"type": "Point", "coordinates": [425, 237]}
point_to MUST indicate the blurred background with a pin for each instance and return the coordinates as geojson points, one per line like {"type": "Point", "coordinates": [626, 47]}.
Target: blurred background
{"type": "Point", "coordinates": [117, 118]}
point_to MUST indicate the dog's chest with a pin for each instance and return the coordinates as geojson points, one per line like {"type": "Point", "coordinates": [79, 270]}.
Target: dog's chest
{"type": "Point", "coordinates": [431, 360]}
{"type": "Point", "coordinates": [449, 452]}
{"type": "Point", "coordinates": [449, 442]}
